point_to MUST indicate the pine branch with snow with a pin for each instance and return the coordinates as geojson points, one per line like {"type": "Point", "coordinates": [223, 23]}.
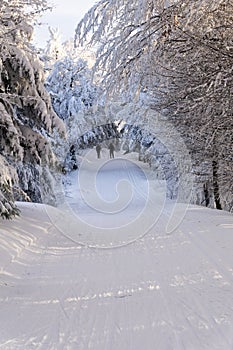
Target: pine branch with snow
{"type": "Point", "coordinates": [27, 116]}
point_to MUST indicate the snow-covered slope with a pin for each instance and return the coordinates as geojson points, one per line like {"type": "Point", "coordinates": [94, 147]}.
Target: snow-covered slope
{"type": "Point", "coordinates": [68, 282]}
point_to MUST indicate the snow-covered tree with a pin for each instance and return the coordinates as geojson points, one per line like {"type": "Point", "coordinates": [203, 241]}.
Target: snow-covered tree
{"type": "Point", "coordinates": [179, 53]}
{"type": "Point", "coordinates": [74, 95]}
{"type": "Point", "coordinates": [26, 112]}
{"type": "Point", "coordinates": [70, 86]}
{"type": "Point", "coordinates": [54, 48]}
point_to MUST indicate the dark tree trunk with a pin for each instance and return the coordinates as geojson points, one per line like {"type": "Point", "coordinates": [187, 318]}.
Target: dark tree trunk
{"type": "Point", "coordinates": [216, 185]}
{"type": "Point", "coordinates": [206, 195]}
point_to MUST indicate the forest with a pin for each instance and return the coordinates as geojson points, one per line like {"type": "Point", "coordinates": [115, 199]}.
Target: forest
{"type": "Point", "coordinates": [148, 62]}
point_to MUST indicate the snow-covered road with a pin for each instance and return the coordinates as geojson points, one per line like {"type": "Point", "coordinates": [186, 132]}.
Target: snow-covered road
{"type": "Point", "coordinates": [67, 282]}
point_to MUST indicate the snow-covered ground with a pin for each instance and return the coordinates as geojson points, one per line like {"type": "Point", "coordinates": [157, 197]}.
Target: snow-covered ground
{"type": "Point", "coordinates": [103, 271]}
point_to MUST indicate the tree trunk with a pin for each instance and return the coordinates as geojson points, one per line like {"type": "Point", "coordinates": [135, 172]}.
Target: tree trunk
{"type": "Point", "coordinates": [216, 185]}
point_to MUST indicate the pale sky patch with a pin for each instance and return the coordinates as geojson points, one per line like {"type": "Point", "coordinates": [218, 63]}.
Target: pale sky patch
{"type": "Point", "coordinates": [65, 17]}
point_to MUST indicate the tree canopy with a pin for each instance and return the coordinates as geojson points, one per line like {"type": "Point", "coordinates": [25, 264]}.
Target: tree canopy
{"type": "Point", "coordinates": [179, 53]}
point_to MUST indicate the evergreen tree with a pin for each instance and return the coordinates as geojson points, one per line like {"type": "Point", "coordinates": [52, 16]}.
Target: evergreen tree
{"type": "Point", "coordinates": [27, 116]}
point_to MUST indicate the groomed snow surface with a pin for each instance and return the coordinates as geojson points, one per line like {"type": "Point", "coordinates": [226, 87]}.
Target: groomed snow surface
{"type": "Point", "coordinates": [103, 272]}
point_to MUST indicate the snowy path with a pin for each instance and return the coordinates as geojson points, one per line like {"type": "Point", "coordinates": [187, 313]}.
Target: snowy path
{"type": "Point", "coordinates": [162, 291]}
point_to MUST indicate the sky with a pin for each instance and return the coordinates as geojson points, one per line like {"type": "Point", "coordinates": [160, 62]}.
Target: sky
{"type": "Point", "coordinates": [65, 16]}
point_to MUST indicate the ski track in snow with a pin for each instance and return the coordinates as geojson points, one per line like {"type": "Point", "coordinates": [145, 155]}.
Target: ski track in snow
{"type": "Point", "coordinates": [161, 291]}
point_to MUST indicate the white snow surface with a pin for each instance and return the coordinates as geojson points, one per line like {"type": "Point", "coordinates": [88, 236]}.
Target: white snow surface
{"type": "Point", "coordinates": [67, 281]}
